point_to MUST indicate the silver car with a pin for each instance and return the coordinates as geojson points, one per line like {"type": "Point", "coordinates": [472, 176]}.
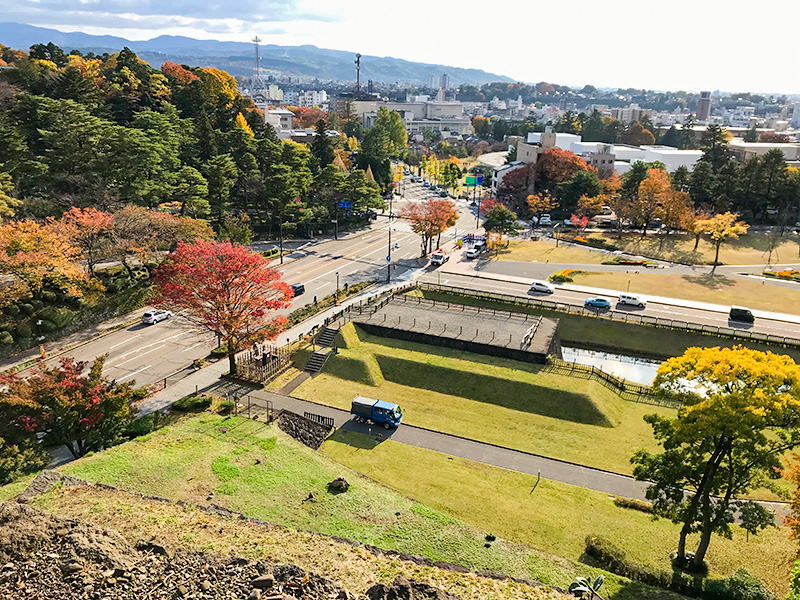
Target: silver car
{"type": "Point", "coordinates": [151, 317]}
{"type": "Point", "coordinates": [542, 286]}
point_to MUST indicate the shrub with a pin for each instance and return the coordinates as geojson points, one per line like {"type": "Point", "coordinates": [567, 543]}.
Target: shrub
{"type": "Point", "coordinates": [612, 558]}
{"type": "Point", "coordinates": [26, 308]}
{"type": "Point", "coordinates": [47, 326]}
{"type": "Point", "coordinates": [564, 275]}
{"type": "Point", "coordinates": [24, 330]}
{"type": "Point", "coordinates": [634, 504]}
{"type": "Point", "coordinates": [226, 406]}
{"type": "Point", "coordinates": [220, 351]}
{"type": "Point", "coordinates": [190, 403]}
{"type": "Point", "coordinates": [140, 393]}
{"type": "Point", "coordinates": [739, 586]}
{"type": "Point", "coordinates": [6, 339]}
{"type": "Point", "coordinates": [142, 425]}
{"type": "Point", "coordinates": [48, 296]}
{"type": "Point", "coordinates": [12, 310]}
{"type": "Point", "coordinates": [60, 317]}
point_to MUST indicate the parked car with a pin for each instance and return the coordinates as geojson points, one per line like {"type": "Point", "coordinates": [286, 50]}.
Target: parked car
{"type": "Point", "coordinates": [741, 314]}
{"type": "Point", "coordinates": [298, 289]}
{"type": "Point", "coordinates": [534, 221]}
{"type": "Point", "coordinates": [633, 300]}
{"type": "Point", "coordinates": [442, 194]}
{"type": "Point", "coordinates": [542, 286]}
{"type": "Point", "coordinates": [597, 302]}
{"type": "Point", "coordinates": [472, 253]}
{"type": "Point", "coordinates": [426, 184]}
{"type": "Point", "coordinates": [439, 257]}
{"type": "Point", "coordinates": [367, 410]}
{"type": "Point", "coordinates": [151, 317]}
{"type": "Point", "coordinates": [605, 210]}
{"type": "Point", "coordinates": [545, 220]}
{"type": "Point", "coordinates": [480, 246]}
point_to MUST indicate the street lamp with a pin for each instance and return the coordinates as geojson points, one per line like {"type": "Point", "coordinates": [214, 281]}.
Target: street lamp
{"type": "Point", "coordinates": [337, 282]}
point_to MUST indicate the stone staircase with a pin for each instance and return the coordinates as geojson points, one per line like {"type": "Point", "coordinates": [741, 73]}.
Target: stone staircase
{"type": "Point", "coordinates": [325, 339]}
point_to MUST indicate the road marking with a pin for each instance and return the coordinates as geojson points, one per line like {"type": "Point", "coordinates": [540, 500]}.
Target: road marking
{"type": "Point", "coordinates": [125, 341]}
{"type": "Point", "coordinates": [190, 347]}
{"type": "Point", "coordinates": [138, 356]}
{"type": "Point", "coordinates": [134, 373]}
{"type": "Point", "coordinates": [154, 343]}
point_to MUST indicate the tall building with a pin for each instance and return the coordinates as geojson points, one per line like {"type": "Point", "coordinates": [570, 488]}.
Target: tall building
{"type": "Point", "coordinates": [796, 116]}
{"type": "Point", "coordinates": [703, 109]}
{"type": "Point", "coordinates": [444, 82]}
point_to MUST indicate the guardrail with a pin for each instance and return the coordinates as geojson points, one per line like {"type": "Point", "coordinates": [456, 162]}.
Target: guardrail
{"type": "Point", "coordinates": [622, 317]}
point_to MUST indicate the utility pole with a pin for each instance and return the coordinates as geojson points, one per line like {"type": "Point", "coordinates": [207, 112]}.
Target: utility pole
{"type": "Point", "coordinates": [389, 255]}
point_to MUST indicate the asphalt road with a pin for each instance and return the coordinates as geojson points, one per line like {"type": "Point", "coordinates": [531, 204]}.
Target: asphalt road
{"type": "Point", "coordinates": [653, 309]}
{"type": "Point", "coordinates": [148, 353]}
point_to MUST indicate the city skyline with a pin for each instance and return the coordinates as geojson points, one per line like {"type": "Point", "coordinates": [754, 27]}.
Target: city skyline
{"type": "Point", "coordinates": [685, 47]}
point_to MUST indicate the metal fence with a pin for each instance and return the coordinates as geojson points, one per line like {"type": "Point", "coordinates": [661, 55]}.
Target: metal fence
{"type": "Point", "coordinates": [327, 421]}
{"type": "Point", "coordinates": [623, 317]}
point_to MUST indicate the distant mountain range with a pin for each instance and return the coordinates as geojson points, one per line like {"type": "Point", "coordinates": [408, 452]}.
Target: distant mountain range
{"type": "Point", "coordinates": [237, 57]}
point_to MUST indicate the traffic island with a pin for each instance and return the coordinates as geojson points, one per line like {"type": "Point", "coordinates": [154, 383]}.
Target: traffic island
{"type": "Point", "coordinates": [517, 336]}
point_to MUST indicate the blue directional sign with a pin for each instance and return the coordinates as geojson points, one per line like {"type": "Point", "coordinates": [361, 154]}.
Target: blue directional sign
{"type": "Point", "coordinates": [345, 204]}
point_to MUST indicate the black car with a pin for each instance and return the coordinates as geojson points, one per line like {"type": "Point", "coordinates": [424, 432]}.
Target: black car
{"type": "Point", "coordinates": [298, 288]}
{"type": "Point", "coordinates": [443, 194]}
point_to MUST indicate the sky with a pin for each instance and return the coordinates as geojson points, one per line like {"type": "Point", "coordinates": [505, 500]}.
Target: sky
{"type": "Point", "coordinates": [729, 45]}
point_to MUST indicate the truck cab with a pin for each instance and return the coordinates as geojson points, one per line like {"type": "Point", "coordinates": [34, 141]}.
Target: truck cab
{"type": "Point", "coordinates": [379, 412]}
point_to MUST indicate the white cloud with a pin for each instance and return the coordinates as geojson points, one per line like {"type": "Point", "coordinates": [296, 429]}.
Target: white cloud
{"type": "Point", "coordinates": [683, 44]}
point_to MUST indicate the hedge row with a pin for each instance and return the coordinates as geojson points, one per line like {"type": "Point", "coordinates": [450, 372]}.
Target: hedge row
{"type": "Point", "coordinates": [739, 586]}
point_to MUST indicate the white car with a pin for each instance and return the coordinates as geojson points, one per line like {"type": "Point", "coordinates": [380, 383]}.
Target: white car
{"type": "Point", "coordinates": [545, 220]}
{"type": "Point", "coordinates": [472, 253]}
{"type": "Point", "coordinates": [151, 317]}
{"type": "Point", "coordinates": [632, 300]}
{"type": "Point", "coordinates": [542, 286]}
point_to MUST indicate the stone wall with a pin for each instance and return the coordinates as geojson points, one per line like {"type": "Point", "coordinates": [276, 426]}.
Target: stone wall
{"type": "Point", "coordinates": [305, 431]}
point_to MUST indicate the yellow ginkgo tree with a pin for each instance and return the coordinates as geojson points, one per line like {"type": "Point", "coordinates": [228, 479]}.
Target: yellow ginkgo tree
{"type": "Point", "coordinates": [740, 413]}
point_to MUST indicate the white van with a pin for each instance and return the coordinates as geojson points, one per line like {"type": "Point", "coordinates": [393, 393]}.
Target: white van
{"type": "Point", "coordinates": [633, 300]}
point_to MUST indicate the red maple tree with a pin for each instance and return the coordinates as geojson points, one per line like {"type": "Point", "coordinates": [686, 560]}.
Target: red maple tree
{"type": "Point", "coordinates": [182, 75]}
{"type": "Point", "coordinates": [226, 288]}
{"type": "Point", "coordinates": [68, 405]}
{"type": "Point", "coordinates": [430, 219]}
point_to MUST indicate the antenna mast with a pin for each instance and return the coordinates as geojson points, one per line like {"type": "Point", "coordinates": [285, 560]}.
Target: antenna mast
{"type": "Point", "coordinates": [358, 73]}
{"type": "Point", "coordinates": [258, 83]}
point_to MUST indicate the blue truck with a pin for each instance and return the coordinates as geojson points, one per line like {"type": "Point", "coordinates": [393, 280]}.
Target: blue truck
{"type": "Point", "coordinates": [366, 410]}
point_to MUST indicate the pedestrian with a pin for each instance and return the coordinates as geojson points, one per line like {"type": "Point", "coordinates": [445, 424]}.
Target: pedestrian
{"type": "Point", "coordinates": [345, 287]}
{"type": "Point", "coordinates": [315, 300]}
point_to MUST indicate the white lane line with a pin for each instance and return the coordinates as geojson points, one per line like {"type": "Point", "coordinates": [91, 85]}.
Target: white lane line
{"type": "Point", "coordinates": [172, 337]}
{"type": "Point", "coordinates": [134, 373]}
{"type": "Point", "coordinates": [124, 341]}
{"type": "Point", "coordinates": [190, 347]}
{"type": "Point", "coordinates": [138, 356]}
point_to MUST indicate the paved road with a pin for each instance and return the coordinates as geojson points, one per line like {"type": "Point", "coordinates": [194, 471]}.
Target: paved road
{"type": "Point", "coordinates": [147, 354]}
{"type": "Point", "coordinates": [491, 277]}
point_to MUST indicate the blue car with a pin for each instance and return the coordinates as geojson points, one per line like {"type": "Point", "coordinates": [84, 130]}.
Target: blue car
{"type": "Point", "coordinates": [601, 303]}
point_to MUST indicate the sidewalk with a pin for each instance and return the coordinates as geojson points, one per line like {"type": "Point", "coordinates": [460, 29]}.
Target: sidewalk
{"type": "Point", "coordinates": [471, 270]}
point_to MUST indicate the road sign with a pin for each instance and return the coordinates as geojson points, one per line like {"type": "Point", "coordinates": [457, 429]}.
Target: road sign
{"type": "Point", "coordinates": [345, 204]}
{"type": "Point", "coordinates": [388, 258]}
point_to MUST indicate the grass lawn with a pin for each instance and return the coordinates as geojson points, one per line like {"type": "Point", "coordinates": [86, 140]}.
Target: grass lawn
{"type": "Point", "coordinates": [554, 517]}
{"type": "Point", "coordinates": [504, 402]}
{"type": "Point", "coordinates": [258, 470]}
{"type": "Point", "coordinates": [350, 567]}
{"type": "Point", "coordinates": [626, 338]}
{"type": "Point", "coordinates": [751, 249]}
{"type": "Point", "coordinates": [715, 289]}
{"type": "Point", "coordinates": [546, 251]}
